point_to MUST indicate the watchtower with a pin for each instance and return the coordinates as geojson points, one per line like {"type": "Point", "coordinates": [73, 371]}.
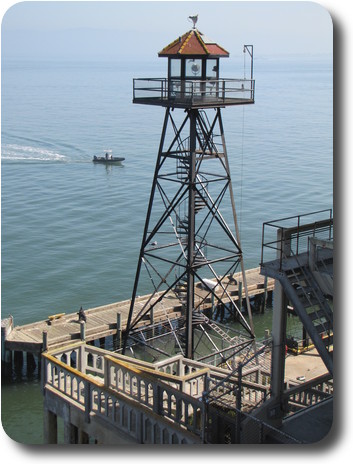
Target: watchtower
{"type": "Point", "coordinates": [187, 244]}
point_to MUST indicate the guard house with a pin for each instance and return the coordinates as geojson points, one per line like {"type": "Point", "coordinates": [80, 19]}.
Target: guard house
{"type": "Point", "coordinates": [194, 77]}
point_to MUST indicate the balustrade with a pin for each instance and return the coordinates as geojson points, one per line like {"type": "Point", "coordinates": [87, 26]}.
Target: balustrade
{"type": "Point", "coordinates": [105, 400]}
{"type": "Point", "coordinates": [161, 403]}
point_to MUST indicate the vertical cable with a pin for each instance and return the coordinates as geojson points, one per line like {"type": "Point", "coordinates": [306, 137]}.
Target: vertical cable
{"type": "Point", "coordinates": [241, 171]}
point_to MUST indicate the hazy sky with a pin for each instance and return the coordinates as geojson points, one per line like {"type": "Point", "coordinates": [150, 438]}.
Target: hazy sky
{"type": "Point", "coordinates": [141, 29]}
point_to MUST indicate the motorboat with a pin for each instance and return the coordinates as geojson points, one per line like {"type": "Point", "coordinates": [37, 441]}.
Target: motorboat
{"type": "Point", "coordinates": [108, 158]}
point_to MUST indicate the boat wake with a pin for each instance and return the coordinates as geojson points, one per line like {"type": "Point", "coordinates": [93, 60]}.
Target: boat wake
{"type": "Point", "coordinates": [15, 152]}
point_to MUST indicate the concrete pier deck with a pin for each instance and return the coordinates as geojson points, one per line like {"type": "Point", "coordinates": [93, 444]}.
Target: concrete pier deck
{"type": "Point", "coordinates": [102, 321]}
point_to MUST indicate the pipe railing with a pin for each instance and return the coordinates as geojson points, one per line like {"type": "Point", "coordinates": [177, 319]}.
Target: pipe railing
{"type": "Point", "coordinates": [289, 236]}
{"type": "Point", "coordinates": [193, 90]}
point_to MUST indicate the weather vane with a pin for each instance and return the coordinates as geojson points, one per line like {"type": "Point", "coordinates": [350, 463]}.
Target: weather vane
{"type": "Point", "coordinates": [194, 20]}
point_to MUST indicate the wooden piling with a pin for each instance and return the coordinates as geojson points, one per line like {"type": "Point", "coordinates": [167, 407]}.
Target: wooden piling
{"type": "Point", "coordinates": [31, 363]}
{"type": "Point", "coordinates": [18, 360]}
{"type": "Point", "coordinates": [45, 340]}
{"type": "Point", "coordinates": [83, 330]}
{"type": "Point", "coordinates": [264, 297]}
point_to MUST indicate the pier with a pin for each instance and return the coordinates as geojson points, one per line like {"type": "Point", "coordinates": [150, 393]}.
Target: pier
{"type": "Point", "coordinates": [110, 320]}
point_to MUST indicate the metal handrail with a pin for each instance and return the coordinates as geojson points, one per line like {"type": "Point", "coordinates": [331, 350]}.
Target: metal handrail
{"type": "Point", "coordinates": [296, 232]}
{"type": "Point", "coordinates": [190, 88]}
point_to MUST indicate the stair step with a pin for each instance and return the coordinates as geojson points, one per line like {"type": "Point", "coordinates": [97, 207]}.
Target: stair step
{"type": "Point", "coordinates": [315, 315]}
{"type": "Point", "coordinates": [308, 302]}
{"type": "Point", "coordinates": [328, 341]}
{"type": "Point", "coordinates": [307, 293]}
{"type": "Point", "coordinates": [323, 326]}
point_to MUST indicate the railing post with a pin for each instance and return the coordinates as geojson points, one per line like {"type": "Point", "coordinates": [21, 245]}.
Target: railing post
{"type": "Point", "coordinates": [88, 402]}
{"type": "Point", "coordinates": [157, 399]}
{"type": "Point", "coordinates": [82, 360]}
{"type": "Point", "coordinates": [45, 341]}
{"type": "Point", "coordinates": [83, 330]}
{"type": "Point", "coordinates": [44, 373]}
{"type": "Point", "coordinates": [106, 371]}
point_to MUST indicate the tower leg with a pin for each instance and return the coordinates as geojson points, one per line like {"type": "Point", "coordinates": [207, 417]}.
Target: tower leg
{"type": "Point", "coordinates": [191, 237]}
{"type": "Point", "coordinates": [142, 250]}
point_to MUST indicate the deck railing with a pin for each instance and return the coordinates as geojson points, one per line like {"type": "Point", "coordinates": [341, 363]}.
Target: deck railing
{"type": "Point", "coordinates": [289, 236]}
{"type": "Point", "coordinates": [139, 406]}
{"type": "Point", "coordinates": [189, 92]}
{"type": "Point", "coordinates": [297, 397]}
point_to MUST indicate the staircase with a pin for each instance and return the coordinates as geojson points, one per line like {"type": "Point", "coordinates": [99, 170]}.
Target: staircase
{"type": "Point", "coordinates": [310, 305]}
{"type": "Point", "coordinates": [206, 147]}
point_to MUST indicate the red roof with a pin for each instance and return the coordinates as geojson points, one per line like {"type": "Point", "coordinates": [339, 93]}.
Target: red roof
{"type": "Point", "coordinates": [193, 42]}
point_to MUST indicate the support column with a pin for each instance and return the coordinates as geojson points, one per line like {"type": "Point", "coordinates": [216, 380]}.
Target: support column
{"type": "Point", "coordinates": [6, 329]}
{"type": "Point", "coordinates": [50, 424]}
{"type": "Point", "coordinates": [83, 330]}
{"type": "Point", "coordinates": [31, 363]}
{"type": "Point", "coordinates": [191, 237]}
{"type": "Point", "coordinates": [70, 433]}
{"type": "Point", "coordinates": [264, 299]}
{"type": "Point", "coordinates": [83, 437]}
{"type": "Point", "coordinates": [279, 324]}
{"type": "Point", "coordinates": [279, 329]}
{"type": "Point", "coordinates": [18, 360]}
{"type": "Point", "coordinates": [45, 340]}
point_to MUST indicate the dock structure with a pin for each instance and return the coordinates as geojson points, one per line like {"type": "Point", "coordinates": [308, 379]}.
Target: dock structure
{"type": "Point", "coordinates": [110, 320]}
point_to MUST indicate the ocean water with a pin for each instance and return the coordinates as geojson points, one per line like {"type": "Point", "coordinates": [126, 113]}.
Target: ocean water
{"type": "Point", "coordinates": [71, 230]}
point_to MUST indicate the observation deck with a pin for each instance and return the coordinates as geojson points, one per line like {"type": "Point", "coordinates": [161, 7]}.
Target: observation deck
{"type": "Point", "coordinates": [189, 94]}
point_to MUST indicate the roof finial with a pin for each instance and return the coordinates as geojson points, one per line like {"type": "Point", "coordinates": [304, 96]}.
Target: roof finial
{"type": "Point", "coordinates": [194, 20]}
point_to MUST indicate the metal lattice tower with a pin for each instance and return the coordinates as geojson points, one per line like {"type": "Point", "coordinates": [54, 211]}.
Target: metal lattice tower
{"type": "Point", "coordinates": [187, 243]}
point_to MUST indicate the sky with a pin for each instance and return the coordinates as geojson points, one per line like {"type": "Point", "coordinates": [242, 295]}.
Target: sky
{"type": "Point", "coordinates": [140, 29]}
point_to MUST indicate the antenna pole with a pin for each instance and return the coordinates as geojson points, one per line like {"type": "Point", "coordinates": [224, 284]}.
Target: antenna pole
{"type": "Point", "coordinates": [250, 49]}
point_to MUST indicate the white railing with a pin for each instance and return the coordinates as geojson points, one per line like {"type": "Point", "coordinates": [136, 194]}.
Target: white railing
{"type": "Point", "coordinates": [125, 410]}
{"type": "Point", "coordinates": [160, 403]}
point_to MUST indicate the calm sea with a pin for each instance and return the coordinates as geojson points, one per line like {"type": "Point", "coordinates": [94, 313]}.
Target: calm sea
{"type": "Point", "coordinates": [71, 230]}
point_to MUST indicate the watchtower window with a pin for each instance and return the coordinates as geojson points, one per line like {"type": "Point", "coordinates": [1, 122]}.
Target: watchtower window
{"type": "Point", "coordinates": [211, 69]}
{"type": "Point", "coordinates": [193, 68]}
{"type": "Point", "coordinates": [175, 68]}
